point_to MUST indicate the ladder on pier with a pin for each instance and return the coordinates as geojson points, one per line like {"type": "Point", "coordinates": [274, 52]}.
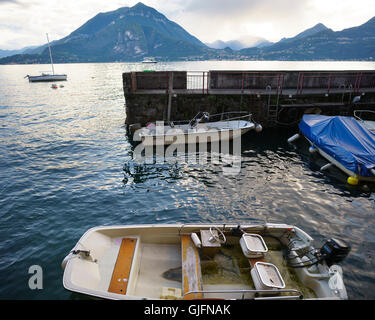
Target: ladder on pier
{"type": "Point", "coordinates": [273, 110]}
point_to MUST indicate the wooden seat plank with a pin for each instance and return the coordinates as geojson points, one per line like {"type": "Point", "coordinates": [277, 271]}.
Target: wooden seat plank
{"type": "Point", "coordinates": [121, 271]}
{"type": "Point", "coordinates": [191, 268]}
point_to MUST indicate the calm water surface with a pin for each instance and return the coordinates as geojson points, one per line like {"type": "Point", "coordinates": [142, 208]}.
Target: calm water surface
{"type": "Point", "coordinates": [66, 166]}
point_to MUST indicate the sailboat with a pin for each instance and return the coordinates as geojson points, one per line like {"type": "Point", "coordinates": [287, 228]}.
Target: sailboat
{"type": "Point", "coordinates": [46, 76]}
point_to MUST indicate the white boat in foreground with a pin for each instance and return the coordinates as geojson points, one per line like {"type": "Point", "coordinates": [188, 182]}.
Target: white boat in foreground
{"type": "Point", "coordinates": [44, 77]}
{"type": "Point", "coordinates": [198, 130]}
{"type": "Point", "coordinates": [204, 261]}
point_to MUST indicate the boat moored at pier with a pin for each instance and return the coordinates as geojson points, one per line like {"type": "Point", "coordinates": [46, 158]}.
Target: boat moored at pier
{"type": "Point", "coordinates": [344, 142]}
{"type": "Point", "coordinates": [202, 128]}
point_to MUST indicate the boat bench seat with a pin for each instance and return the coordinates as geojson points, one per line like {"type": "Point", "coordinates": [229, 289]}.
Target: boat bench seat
{"type": "Point", "coordinates": [191, 269]}
{"type": "Point", "coordinates": [121, 271]}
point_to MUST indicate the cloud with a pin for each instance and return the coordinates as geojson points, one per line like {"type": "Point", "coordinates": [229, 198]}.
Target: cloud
{"type": "Point", "coordinates": [37, 17]}
{"type": "Point", "coordinates": [242, 7]}
{"type": "Point", "coordinates": [16, 2]}
{"type": "Point", "coordinates": [227, 20]}
{"type": "Point", "coordinates": [8, 1]}
{"type": "Point", "coordinates": [211, 20]}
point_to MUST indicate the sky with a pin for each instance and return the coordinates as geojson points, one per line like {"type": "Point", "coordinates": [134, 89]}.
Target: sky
{"type": "Point", "coordinates": [26, 22]}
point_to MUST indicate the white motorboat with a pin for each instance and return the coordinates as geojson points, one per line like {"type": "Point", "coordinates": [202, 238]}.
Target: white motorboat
{"type": "Point", "coordinates": [149, 60]}
{"type": "Point", "coordinates": [45, 77]}
{"type": "Point", "coordinates": [198, 130]}
{"type": "Point", "coordinates": [363, 117]}
{"type": "Point", "coordinates": [204, 261]}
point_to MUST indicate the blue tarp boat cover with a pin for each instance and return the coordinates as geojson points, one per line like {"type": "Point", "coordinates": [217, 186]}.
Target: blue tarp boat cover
{"type": "Point", "coordinates": [344, 139]}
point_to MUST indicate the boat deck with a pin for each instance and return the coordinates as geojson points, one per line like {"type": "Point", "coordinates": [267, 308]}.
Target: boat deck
{"type": "Point", "coordinates": [156, 259]}
{"type": "Point", "coordinates": [229, 270]}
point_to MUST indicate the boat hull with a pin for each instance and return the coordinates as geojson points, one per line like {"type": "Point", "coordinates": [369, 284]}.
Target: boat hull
{"type": "Point", "coordinates": [340, 166]}
{"type": "Point", "coordinates": [48, 78]}
{"type": "Point", "coordinates": [180, 135]}
{"type": "Point", "coordinates": [194, 138]}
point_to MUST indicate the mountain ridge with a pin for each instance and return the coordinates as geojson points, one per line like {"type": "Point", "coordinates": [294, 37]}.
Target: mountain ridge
{"type": "Point", "coordinates": [356, 43]}
{"type": "Point", "coordinates": [132, 33]}
{"type": "Point", "coordinates": [308, 32]}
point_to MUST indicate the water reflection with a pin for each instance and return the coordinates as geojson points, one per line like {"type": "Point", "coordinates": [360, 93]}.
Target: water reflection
{"type": "Point", "coordinates": [277, 183]}
{"type": "Point", "coordinates": [67, 165]}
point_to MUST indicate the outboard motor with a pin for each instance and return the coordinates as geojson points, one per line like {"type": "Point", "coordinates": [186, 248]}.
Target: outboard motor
{"type": "Point", "coordinates": [237, 232]}
{"type": "Point", "coordinates": [334, 251]}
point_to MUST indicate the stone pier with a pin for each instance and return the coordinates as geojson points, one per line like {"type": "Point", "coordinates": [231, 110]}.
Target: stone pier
{"type": "Point", "coordinates": [275, 98]}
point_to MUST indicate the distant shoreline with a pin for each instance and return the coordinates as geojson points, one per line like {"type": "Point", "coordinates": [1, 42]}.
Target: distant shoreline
{"type": "Point", "coordinates": [204, 60]}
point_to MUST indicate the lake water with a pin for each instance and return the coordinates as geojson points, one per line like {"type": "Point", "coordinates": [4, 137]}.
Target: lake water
{"type": "Point", "coordinates": [66, 165]}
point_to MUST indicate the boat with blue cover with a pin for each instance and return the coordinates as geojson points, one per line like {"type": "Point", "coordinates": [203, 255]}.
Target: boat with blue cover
{"type": "Point", "coordinates": [344, 142]}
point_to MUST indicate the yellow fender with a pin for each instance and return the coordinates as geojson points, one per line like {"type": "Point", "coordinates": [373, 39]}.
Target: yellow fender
{"type": "Point", "coordinates": [353, 180]}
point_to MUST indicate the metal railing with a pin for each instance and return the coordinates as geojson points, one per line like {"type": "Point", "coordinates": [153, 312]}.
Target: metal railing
{"type": "Point", "coordinates": [265, 82]}
{"type": "Point", "coordinates": [298, 294]}
{"type": "Point", "coordinates": [358, 114]}
{"type": "Point", "coordinates": [197, 81]}
{"type": "Point", "coordinates": [224, 116]}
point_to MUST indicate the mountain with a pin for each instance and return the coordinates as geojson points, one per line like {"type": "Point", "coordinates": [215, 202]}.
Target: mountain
{"type": "Point", "coordinates": [357, 43]}
{"type": "Point", "coordinates": [233, 44]}
{"type": "Point", "coordinates": [126, 34]}
{"type": "Point", "coordinates": [132, 33]}
{"type": "Point", "coordinates": [244, 42]}
{"type": "Point", "coordinates": [308, 32]}
{"type": "Point", "coordinates": [7, 53]}
{"type": "Point", "coordinates": [265, 43]}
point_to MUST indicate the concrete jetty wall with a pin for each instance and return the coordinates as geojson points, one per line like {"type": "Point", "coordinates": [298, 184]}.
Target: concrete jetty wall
{"type": "Point", "coordinates": [273, 97]}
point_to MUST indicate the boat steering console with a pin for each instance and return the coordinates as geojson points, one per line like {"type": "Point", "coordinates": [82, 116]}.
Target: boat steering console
{"type": "Point", "coordinates": [220, 237]}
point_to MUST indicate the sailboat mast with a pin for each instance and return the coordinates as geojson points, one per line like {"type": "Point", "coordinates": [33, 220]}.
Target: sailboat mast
{"type": "Point", "coordinates": [50, 55]}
